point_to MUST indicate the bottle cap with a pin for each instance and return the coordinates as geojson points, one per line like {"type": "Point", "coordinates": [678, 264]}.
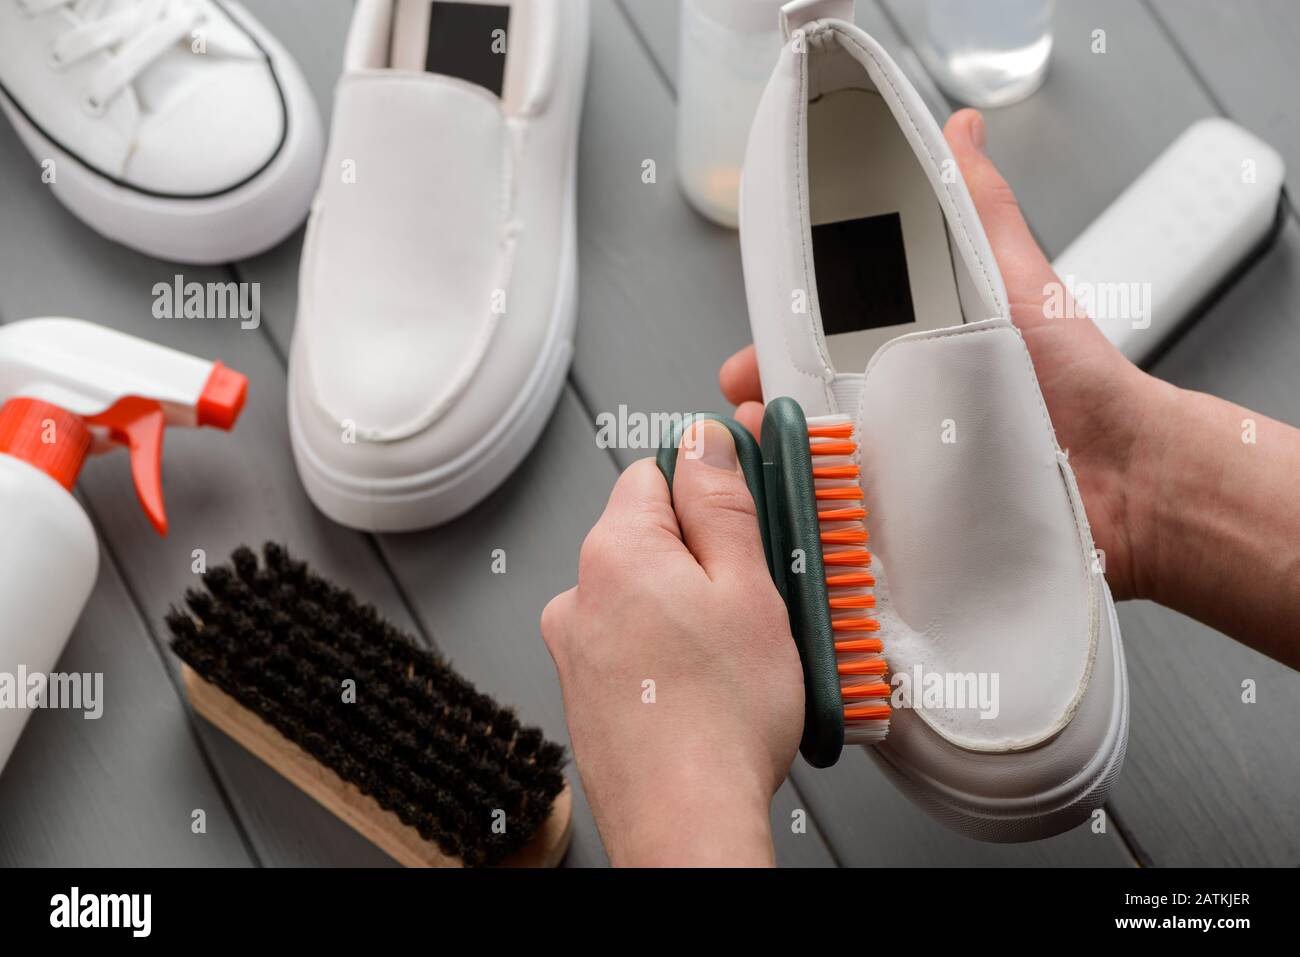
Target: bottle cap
{"type": "Point", "coordinates": [222, 398]}
{"type": "Point", "coordinates": [46, 436]}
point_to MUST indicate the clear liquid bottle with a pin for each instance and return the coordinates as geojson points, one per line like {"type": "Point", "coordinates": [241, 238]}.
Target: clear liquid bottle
{"type": "Point", "coordinates": [988, 53]}
{"type": "Point", "coordinates": [727, 51]}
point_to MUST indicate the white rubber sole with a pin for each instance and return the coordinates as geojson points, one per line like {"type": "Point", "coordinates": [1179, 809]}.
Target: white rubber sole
{"type": "Point", "coordinates": [450, 489]}
{"type": "Point", "coordinates": [1040, 815]}
{"type": "Point", "coordinates": [217, 229]}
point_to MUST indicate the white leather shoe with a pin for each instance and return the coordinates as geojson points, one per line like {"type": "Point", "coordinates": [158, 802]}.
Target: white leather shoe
{"type": "Point", "coordinates": [873, 292]}
{"type": "Point", "coordinates": [438, 285]}
{"type": "Point", "coordinates": [180, 128]}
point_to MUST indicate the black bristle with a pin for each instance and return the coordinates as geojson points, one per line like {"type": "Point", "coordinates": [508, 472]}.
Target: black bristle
{"type": "Point", "coordinates": [244, 562]}
{"type": "Point", "coordinates": [420, 739]}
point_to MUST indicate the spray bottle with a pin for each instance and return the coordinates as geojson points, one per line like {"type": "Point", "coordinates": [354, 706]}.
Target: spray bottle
{"type": "Point", "coordinates": [71, 389]}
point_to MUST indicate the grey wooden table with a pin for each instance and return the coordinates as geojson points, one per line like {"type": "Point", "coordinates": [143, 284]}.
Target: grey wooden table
{"type": "Point", "coordinates": [1208, 780]}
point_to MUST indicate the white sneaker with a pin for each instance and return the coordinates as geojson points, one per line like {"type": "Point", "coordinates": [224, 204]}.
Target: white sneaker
{"type": "Point", "coordinates": [180, 128]}
{"type": "Point", "coordinates": [862, 251]}
{"type": "Point", "coordinates": [438, 285]}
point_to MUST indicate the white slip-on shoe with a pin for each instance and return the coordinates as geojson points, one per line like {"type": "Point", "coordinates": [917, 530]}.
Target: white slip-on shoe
{"type": "Point", "coordinates": [438, 294]}
{"type": "Point", "coordinates": [862, 251]}
{"type": "Point", "coordinates": [180, 128]}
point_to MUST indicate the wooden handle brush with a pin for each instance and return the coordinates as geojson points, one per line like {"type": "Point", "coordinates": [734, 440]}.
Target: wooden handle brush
{"type": "Point", "coordinates": [381, 732]}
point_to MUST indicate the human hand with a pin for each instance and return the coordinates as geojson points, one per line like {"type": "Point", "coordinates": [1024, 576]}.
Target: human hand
{"type": "Point", "coordinates": [675, 590]}
{"type": "Point", "coordinates": [1100, 403]}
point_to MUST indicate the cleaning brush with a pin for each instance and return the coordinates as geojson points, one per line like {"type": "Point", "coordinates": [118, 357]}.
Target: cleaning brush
{"type": "Point", "coordinates": [804, 479]}
{"type": "Point", "coordinates": [380, 731]}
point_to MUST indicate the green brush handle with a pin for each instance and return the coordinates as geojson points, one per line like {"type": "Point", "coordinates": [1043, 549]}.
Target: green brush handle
{"type": "Point", "coordinates": [779, 477]}
{"type": "Point", "coordinates": [751, 465]}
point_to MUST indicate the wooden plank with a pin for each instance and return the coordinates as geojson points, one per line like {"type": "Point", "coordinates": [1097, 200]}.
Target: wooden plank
{"type": "Point", "coordinates": [1245, 56]}
{"type": "Point", "coordinates": [1127, 104]}
{"type": "Point", "coordinates": [675, 282]}
{"type": "Point", "coordinates": [119, 790]}
{"type": "Point", "coordinates": [661, 295]}
{"type": "Point", "coordinates": [1211, 780]}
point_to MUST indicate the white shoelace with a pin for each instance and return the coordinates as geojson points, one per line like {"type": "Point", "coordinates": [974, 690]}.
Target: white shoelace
{"type": "Point", "coordinates": [137, 32]}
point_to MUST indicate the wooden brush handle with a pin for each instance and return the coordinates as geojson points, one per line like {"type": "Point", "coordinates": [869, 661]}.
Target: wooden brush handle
{"type": "Point", "coordinates": [361, 812]}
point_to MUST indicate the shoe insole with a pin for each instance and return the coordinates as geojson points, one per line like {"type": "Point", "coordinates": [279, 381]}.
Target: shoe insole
{"type": "Point", "coordinates": [466, 39]}
{"type": "Point", "coordinates": [881, 256]}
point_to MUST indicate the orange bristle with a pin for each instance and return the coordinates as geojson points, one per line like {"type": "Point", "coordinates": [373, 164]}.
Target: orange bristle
{"type": "Point", "coordinates": [855, 624]}
{"type": "Point", "coordinates": [847, 558]}
{"type": "Point", "coordinates": [839, 430]}
{"type": "Point", "coordinates": [851, 580]}
{"type": "Point", "coordinates": [867, 645]}
{"type": "Point", "coordinates": [833, 447]}
{"type": "Point", "coordinates": [865, 666]}
{"type": "Point", "coordinates": [864, 685]}
{"type": "Point", "coordinates": [827, 494]}
{"type": "Point", "coordinates": [842, 515]}
{"type": "Point", "coordinates": [836, 472]}
{"type": "Point", "coordinates": [867, 712]}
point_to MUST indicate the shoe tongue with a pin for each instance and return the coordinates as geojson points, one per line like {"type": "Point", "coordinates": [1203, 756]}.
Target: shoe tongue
{"type": "Point", "coordinates": [846, 392]}
{"type": "Point", "coordinates": [167, 77]}
{"type": "Point", "coordinates": [173, 73]}
{"type": "Point", "coordinates": [90, 10]}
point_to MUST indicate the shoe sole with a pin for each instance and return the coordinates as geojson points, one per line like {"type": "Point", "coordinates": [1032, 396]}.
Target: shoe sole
{"type": "Point", "coordinates": [1041, 815]}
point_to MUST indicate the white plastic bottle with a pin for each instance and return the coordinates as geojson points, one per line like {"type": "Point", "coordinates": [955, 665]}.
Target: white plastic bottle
{"type": "Point", "coordinates": [69, 389]}
{"type": "Point", "coordinates": [48, 554]}
{"type": "Point", "coordinates": [727, 51]}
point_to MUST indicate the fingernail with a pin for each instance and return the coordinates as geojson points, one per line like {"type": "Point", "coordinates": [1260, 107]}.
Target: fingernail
{"type": "Point", "coordinates": [710, 442]}
{"type": "Point", "coordinates": [978, 135]}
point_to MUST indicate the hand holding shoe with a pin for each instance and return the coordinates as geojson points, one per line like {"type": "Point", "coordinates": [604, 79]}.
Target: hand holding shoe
{"type": "Point", "coordinates": [1184, 512]}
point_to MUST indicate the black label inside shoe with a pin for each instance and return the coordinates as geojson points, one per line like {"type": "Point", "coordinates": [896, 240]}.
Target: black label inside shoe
{"type": "Point", "coordinates": [861, 271]}
{"type": "Point", "coordinates": [468, 41]}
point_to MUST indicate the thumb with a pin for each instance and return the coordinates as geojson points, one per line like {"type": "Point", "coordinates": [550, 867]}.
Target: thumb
{"type": "Point", "coordinates": [714, 508]}
{"type": "Point", "coordinates": [1024, 267]}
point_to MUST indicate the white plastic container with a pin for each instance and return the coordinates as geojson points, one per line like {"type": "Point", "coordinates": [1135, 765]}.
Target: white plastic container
{"type": "Point", "coordinates": [48, 564]}
{"type": "Point", "coordinates": [727, 51]}
{"type": "Point", "coordinates": [69, 389]}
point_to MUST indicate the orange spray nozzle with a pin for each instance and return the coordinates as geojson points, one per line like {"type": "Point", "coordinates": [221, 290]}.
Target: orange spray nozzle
{"type": "Point", "coordinates": [65, 376]}
{"type": "Point", "coordinates": [138, 423]}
